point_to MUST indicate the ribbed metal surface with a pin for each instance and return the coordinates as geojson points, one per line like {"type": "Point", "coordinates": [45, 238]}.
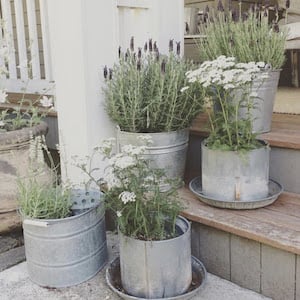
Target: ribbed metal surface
{"type": "Point", "coordinates": [263, 104]}
{"type": "Point", "coordinates": [65, 252]}
{"type": "Point", "coordinates": [168, 150]}
{"type": "Point", "coordinates": [234, 176]}
{"type": "Point", "coordinates": [157, 269]}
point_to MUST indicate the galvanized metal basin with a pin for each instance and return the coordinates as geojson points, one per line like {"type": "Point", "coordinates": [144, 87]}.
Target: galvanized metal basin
{"type": "Point", "coordinates": [68, 251]}
{"type": "Point", "coordinates": [199, 276]}
{"type": "Point", "coordinates": [157, 269]}
{"type": "Point", "coordinates": [168, 150]}
{"type": "Point", "coordinates": [234, 176]}
{"type": "Point", "coordinates": [263, 103]}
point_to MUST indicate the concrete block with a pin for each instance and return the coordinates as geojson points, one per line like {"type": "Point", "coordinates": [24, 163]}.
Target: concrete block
{"type": "Point", "coordinates": [298, 278]}
{"type": "Point", "coordinates": [245, 263]}
{"type": "Point", "coordinates": [214, 246]}
{"type": "Point", "coordinates": [278, 273]}
{"type": "Point", "coordinates": [195, 239]}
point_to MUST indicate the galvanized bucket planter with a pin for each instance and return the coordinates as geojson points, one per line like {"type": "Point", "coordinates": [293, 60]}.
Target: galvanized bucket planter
{"type": "Point", "coordinates": [263, 102]}
{"type": "Point", "coordinates": [66, 252]}
{"type": "Point", "coordinates": [233, 176]}
{"type": "Point", "coordinates": [168, 150]}
{"type": "Point", "coordinates": [157, 269]}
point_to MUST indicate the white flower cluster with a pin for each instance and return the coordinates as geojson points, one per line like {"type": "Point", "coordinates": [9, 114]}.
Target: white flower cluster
{"type": "Point", "coordinates": [3, 96]}
{"type": "Point", "coordinates": [46, 102]}
{"type": "Point", "coordinates": [226, 72]}
{"type": "Point", "coordinates": [146, 139]}
{"type": "Point", "coordinates": [133, 150]}
{"type": "Point", "coordinates": [110, 179]}
{"type": "Point", "coordinates": [107, 146]}
{"type": "Point", "coordinates": [127, 197]}
{"type": "Point", "coordinates": [122, 161]}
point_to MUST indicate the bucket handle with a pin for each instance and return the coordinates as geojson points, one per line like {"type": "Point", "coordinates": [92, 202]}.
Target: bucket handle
{"type": "Point", "coordinates": [36, 223]}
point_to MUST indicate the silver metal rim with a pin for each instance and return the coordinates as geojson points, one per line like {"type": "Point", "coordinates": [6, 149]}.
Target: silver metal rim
{"type": "Point", "coordinates": [197, 267]}
{"type": "Point", "coordinates": [275, 189]}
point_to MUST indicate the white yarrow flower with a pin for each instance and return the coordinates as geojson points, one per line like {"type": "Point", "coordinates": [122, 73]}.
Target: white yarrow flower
{"type": "Point", "coordinates": [122, 161]}
{"type": "Point", "coordinates": [119, 214]}
{"type": "Point", "coordinates": [184, 89]}
{"type": "Point", "coordinates": [3, 96]}
{"type": "Point", "coordinates": [127, 197]}
{"type": "Point", "coordinates": [46, 102]}
{"type": "Point", "coordinates": [133, 150]}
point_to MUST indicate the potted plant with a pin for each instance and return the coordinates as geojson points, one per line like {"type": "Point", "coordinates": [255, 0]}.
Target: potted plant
{"type": "Point", "coordinates": [248, 36]}
{"type": "Point", "coordinates": [154, 239]}
{"type": "Point", "coordinates": [20, 123]}
{"type": "Point", "coordinates": [143, 95]}
{"type": "Point", "coordinates": [235, 165]}
{"type": "Point", "coordinates": [64, 230]}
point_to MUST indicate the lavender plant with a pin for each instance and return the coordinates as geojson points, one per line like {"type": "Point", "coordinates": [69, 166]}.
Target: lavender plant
{"type": "Point", "coordinates": [143, 90]}
{"type": "Point", "coordinates": [39, 195]}
{"type": "Point", "coordinates": [248, 36]}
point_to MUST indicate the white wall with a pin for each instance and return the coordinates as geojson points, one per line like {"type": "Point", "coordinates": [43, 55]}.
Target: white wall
{"type": "Point", "coordinates": [84, 36]}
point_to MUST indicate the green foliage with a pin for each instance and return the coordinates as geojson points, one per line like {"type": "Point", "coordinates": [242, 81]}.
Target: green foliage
{"type": "Point", "coordinates": [43, 201]}
{"type": "Point", "coordinates": [228, 130]}
{"type": "Point", "coordinates": [133, 193]}
{"type": "Point", "coordinates": [143, 92]}
{"type": "Point", "coordinates": [227, 85]}
{"type": "Point", "coordinates": [248, 37]}
{"type": "Point", "coordinates": [39, 195]}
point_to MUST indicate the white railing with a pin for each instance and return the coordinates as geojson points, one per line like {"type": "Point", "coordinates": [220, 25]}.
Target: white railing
{"type": "Point", "coordinates": [29, 66]}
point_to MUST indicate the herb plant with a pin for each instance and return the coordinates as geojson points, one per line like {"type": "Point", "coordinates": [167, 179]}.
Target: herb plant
{"type": "Point", "coordinates": [228, 86]}
{"type": "Point", "coordinates": [143, 91]}
{"type": "Point", "coordinates": [132, 191]}
{"type": "Point", "coordinates": [39, 195]}
{"type": "Point", "coordinates": [248, 36]}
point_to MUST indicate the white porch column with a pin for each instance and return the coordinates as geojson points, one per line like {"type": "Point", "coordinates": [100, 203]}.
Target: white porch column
{"type": "Point", "coordinates": [160, 20]}
{"type": "Point", "coordinates": [84, 37]}
{"type": "Point", "coordinates": [82, 41]}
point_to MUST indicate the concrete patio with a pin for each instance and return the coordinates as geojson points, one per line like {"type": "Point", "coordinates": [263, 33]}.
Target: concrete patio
{"type": "Point", "coordinates": [16, 285]}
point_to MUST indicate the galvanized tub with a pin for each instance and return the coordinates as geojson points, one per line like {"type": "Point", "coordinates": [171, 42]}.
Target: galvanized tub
{"type": "Point", "coordinates": [157, 269]}
{"type": "Point", "coordinates": [66, 252]}
{"type": "Point", "coordinates": [168, 150]}
{"type": "Point", "coordinates": [263, 102]}
{"type": "Point", "coordinates": [234, 176]}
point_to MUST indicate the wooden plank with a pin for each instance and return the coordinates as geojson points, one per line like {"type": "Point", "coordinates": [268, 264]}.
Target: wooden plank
{"type": "Point", "coordinates": [276, 218]}
{"type": "Point", "coordinates": [241, 224]}
{"type": "Point", "coordinates": [134, 3]}
{"type": "Point", "coordinates": [21, 41]}
{"type": "Point", "coordinates": [33, 36]}
{"type": "Point", "coordinates": [285, 130]}
{"type": "Point", "coordinates": [45, 38]}
{"type": "Point", "coordinates": [6, 14]}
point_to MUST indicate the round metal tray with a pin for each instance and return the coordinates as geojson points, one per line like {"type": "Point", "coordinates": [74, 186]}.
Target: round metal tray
{"type": "Point", "coordinates": [199, 275]}
{"type": "Point", "coordinates": [275, 189]}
